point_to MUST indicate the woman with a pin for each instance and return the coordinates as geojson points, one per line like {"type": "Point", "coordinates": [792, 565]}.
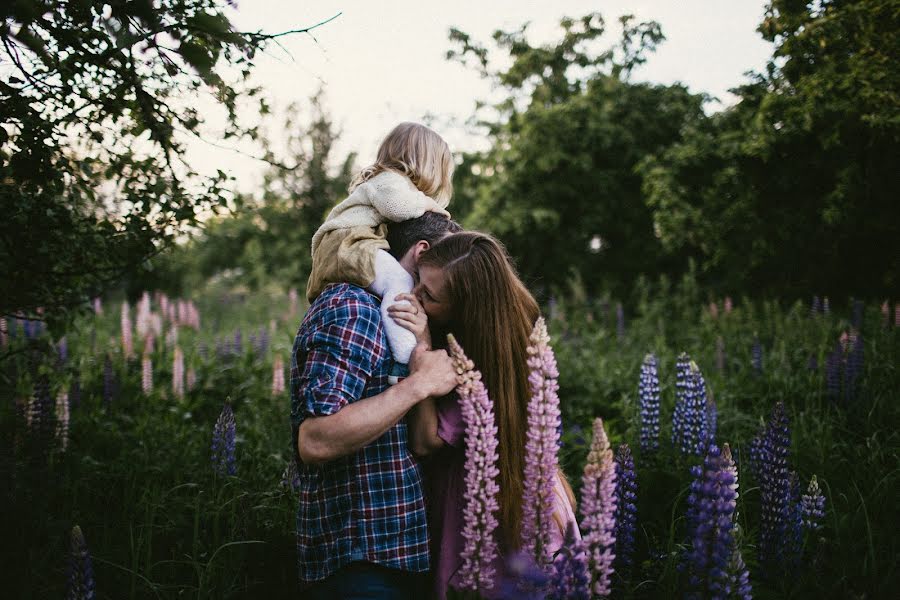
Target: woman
{"type": "Point", "coordinates": [467, 286]}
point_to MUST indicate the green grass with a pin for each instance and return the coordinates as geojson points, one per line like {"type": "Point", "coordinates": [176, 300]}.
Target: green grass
{"type": "Point", "coordinates": [160, 524]}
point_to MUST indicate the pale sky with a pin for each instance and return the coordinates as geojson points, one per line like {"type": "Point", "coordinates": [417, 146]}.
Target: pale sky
{"type": "Point", "coordinates": [384, 62]}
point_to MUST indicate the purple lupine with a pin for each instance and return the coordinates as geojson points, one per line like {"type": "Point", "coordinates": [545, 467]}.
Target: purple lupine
{"type": "Point", "coordinates": [541, 444]}
{"type": "Point", "coordinates": [223, 443]}
{"type": "Point", "coordinates": [238, 347]}
{"type": "Point", "coordinates": [710, 522]}
{"type": "Point", "coordinates": [571, 579]}
{"type": "Point", "coordinates": [648, 392]}
{"type": "Point", "coordinates": [756, 356]}
{"type": "Point", "coordinates": [682, 383]}
{"type": "Point", "coordinates": [598, 506]}
{"type": "Point", "coordinates": [775, 489]}
{"type": "Point", "coordinates": [853, 366]}
{"type": "Point", "coordinates": [62, 420]}
{"type": "Point", "coordinates": [81, 571]}
{"type": "Point", "coordinates": [755, 450]}
{"type": "Point", "coordinates": [739, 576]}
{"type": "Point", "coordinates": [523, 579]}
{"type": "Point", "coordinates": [626, 511]}
{"type": "Point", "coordinates": [109, 381]}
{"type": "Point", "coordinates": [814, 309]}
{"type": "Point", "coordinates": [480, 502]}
{"type": "Point", "coordinates": [720, 354]}
{"type": "Point", "coordinates": [812, 506]}
{"type": "Point", "coordinates": [40, 417]}
{"type": "Point", "coordinates": [290, 479]}
{"type": "Point", "coordinates": [620, 321]}
{"type": "Point", "coordinates": [833, 363]}
{"type": "Point", "coordinates": [712, 420]}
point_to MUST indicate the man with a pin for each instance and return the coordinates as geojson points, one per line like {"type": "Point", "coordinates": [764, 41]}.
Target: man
{"type": "Point", "coordinates": [361, 530]}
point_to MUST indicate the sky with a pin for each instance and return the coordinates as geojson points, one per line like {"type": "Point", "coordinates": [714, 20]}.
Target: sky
{"type": "Point", "coordinates": [380, 63]}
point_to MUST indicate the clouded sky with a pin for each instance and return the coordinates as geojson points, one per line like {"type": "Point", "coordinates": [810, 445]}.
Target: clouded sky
{"type": "Point", "coordinates": [384, 62]}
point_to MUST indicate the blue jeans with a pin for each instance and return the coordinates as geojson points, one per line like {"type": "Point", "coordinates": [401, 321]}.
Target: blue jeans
{"type": "Point", "coordinates": [368, 581]}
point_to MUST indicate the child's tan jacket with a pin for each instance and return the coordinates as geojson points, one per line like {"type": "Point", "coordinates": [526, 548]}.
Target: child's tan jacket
{"type": "Point", "coordinates": [343, 248]}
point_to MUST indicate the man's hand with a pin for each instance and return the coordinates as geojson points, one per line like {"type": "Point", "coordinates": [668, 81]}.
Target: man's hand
{"type": "Point", "coordinates": [433, 371]}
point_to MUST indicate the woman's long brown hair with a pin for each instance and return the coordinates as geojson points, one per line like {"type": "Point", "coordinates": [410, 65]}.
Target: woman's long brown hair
{"type": "Point", "coordinates": [492, 315]}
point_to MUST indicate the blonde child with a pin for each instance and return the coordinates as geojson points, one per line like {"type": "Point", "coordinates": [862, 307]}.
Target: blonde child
{"type": "Point", "coordinates": [411, 175]}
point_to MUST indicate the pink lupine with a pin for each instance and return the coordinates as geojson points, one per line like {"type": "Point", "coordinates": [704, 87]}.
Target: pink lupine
{"type": "Point", "coordinates": [278, 376]}
{"type": "Point", "coordinates": [728, 304]}
{"type": "Point", "coordinates": [178, 373]}
{"type": "Point", "coordinates": [98, 306]}
{"type": "Point", "coordinates": [714, 310]}
{"type": "Point", "coordinates": [480, 502]}
{"type": "Point", "coordinates": [127, 341]}
{"type": "Point", "coordinates": [541, 443]}
{"type": "Point", "coordinates": [146, 374]}
{"type": "Point", "coordinates": [598, 505]}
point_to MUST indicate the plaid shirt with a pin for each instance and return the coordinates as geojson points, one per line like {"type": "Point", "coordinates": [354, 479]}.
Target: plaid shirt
{"type": "Point", "coordinates": [367, 506]}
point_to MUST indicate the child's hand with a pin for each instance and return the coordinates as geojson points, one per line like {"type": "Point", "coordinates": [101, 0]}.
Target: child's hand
{"type": "Point", "coordinates": [412, 317]}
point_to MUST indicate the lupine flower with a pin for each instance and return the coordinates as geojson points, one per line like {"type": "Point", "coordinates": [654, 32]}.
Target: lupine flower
{"type": "Point", "coordinates": [812, 505]}
{"type": "Point", "coordinates": [480, 502]}
{"type": "Point", "coordinates": [191, 379]}
{"type": "Point", "coordinates": [648, 392]}
{"type": "Point", "coordinates": [127, 341]}
{"type": "Point", "coordinates": [794, 541]}
{"type": "Point", "coordinates": [775, 489]}
{"type": "Point", "coordinates": [756, 356]}
{"type": "Point", "coordinates": [853, 367]}
{"type": "Point", "coordinates": [620, 321]}
{"type": "Point", "coordinates": [897, 314]}
{"type": "Point", "coordinates": [712, 420]}
{"type": "Point", "coordinates": [4, 333]}
{"type": "Point", "coordinates": [814, 308]}
{"type": "Point", "coordinates": [278, 376]}
{"type": "Point", "coordinates": [292, 298]}
{"type": "Point", "coordinates": [524, 579]}
{"type": "Point", "coordinates": [572, 579]}
{"type": "Point", "coordinates": [885, 314]}
{"type": "Point", "coordinates": [714, 310]}
{"type": "Point", "coordinates": [146, 375]}
{"type": "Point", "coordinates": [39, 416]}
{"type": "Point", "coordinates": [223, 443]}
{"type": "Point", "coordinates": [728, 304]}
{"type": "Point", "coordinates": [98, 306]}
{"type": "Point", "coordinates": [711, 507]}
{"type": "Point", "coordinates": [290, 479]}
{"type": "Point", "coordinates": [720, 354]}
{"type": "Point", "coordinates": [62, 420]}
{"type": "Point", "coordinates": [626, 511]}
{"type": "Point", "coordinates": [826, 306]}
{"type": "Point", "coordinates": [172, 336]}
{"type": "Point", "coordinates": [238, 347]}
{"type": "Point", "coordinates": [109, 381]}
{"type": "Point", "coordinates": [81, 570]}
{"type": "Point", "coordinates": [598, 506]}
{"type": "Point", "coordinates": [739, 575]}
{"type": "Point", "coordinates": [541, 444]}
{"type": "Point", "coordinates": [178, 373]}
{"type": "Point", "coordinates": [682, 377]}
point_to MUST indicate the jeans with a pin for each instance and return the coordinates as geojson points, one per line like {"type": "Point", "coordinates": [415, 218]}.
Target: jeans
{"type": "Point", "coordinates": [368, 581]}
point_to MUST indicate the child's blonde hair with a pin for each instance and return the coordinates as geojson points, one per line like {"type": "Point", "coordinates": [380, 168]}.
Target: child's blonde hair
{"type": "Point", "coordinates": [419, 153]}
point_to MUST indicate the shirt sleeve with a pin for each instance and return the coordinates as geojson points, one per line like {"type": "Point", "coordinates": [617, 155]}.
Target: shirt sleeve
{"type": "Point", "coordinates": [451, 427]}
{"type": "Point", "coordinates": [335, 361]}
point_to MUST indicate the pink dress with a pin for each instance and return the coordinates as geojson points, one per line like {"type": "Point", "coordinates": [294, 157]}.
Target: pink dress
{"type": "Point", "coordinates": [445, 503]}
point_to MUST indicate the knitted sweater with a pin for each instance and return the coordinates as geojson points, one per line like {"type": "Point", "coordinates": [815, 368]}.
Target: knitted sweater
{"type": "Point", "coordinates": [389, 196]}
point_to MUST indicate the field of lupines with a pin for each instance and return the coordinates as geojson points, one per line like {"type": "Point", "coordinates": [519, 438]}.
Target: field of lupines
{"type": "Point", "coordinates": [747, 447]}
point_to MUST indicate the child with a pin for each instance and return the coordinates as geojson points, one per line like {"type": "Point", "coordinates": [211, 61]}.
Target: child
{"type": "Point", "coordinates": [411, 175]}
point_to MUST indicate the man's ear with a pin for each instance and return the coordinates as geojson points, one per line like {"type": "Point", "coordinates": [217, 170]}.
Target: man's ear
{"type": "Point", "coordinates": [420, 247]}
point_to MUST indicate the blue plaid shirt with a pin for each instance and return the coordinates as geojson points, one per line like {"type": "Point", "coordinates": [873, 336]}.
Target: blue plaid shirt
{"type": "Point", "coordinates": [367, 506]}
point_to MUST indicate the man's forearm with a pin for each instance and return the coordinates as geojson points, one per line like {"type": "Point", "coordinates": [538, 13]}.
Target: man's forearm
{"type": "Point", "coordinates": [322, 439]}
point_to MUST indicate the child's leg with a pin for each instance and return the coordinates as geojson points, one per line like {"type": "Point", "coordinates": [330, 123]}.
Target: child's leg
{"type": "Point", "coordinates": [392, 279]}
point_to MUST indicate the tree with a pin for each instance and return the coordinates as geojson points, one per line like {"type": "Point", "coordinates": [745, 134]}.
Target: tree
{"type": "Point", "coordinates": [559, 185]}
{"type": "Point", "coordinates": [793, 189]}
{"type": "Point", "coordinates": [97, 103]}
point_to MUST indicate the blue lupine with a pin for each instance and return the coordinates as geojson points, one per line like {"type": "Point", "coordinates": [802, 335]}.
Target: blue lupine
{"type": "Point", "coordinates": [524, 579]}
{"type": "Point", "coordinates": [756, 356]}
{"type": "Point", "coordinates": [238, 347]}
{"type": "Point", "coordinates": [223, 443]}
{"type": "Point", "coordinates": [775, 490]}
{"type": "Point", "coordinates": [620, 321]}
{"type": "Point", "coordinates": [814, 309]}
{"type": "Point", "coordinates": [626, 511]}
{"type": "Point", "coordinates": [833, 363]}
{"type": "Point", "coordinates": [853, 367]}
{"type": "Point", "coordinates": [812, 506]}
{"type": "Point", "coordinates": [712, 420]}
{"type": "Point", "coordinates": [81, 570]}
{"type": "Point", "coordinates": [682, 377]}
{"type": "Point", "coordinates": [739, 576]}
{"type": "Point", "coordinates": [62, 350]}
{"type": "Point", "coordinates": [710, 523]}
{"type": "Point", "coordinates": [571, 579]}
{"type": "Point", "coordinates": [648, 392]}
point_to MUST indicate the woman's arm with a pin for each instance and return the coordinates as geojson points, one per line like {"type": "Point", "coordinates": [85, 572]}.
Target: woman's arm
{"type": "Point", "coordinates": [422, 424]}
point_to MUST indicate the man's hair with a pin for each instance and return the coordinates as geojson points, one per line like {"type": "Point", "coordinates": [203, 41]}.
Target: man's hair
{"type": "Point", "coordinates": [430, 227]}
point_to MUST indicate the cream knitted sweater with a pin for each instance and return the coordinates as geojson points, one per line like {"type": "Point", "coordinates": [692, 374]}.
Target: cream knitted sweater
{"type": "Point", "coordinates": [389, 196]}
